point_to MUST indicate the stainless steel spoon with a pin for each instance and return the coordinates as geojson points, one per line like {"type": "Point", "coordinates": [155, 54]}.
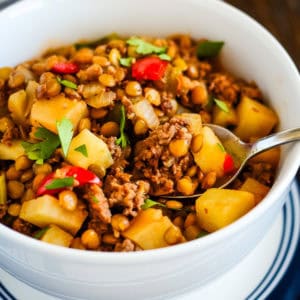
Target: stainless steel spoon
{"type": "Point", "coordinates": [242, 152]}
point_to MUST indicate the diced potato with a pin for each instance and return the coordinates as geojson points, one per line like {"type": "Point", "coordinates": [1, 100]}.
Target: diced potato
{"type": "Point", "coordinates": [148, 229]}
{"type": "Point", "coordinates": [211, 155]}
{"type": "Point", "coordinates": [217, 208]}
{"type": "Point", "coordinates": [3, 192]}
{"type": "Point", "coordinates": [17, 104]}
{"type": "Point", "coordinates": [97, 151]}
{"type": "Point", "coordinates": [254, 119]}
{"type": "Point", "coordinates": [224, 118]}
{"type": "Point", "coordinates": [258, 189]}
{"type": "Point", "coordinates": [4, 72]}
{"type": "Point", "coordinates": [194, 122]}
{"type": "Point", "coordinates": [45, 210]}
{"type": "Point", "coordinates": [46, 112]}
{"type": "Point", "coordinates": [11, 152]}
{"type": "Point", "coordinates": [56, 236]}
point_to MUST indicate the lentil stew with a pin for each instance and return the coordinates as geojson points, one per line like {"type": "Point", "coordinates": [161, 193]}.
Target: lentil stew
{"type": "Point", "coordinates": [95, 133]}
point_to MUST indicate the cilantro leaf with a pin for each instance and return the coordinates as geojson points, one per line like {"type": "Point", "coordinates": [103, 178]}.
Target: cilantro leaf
{"type": "Point", "coordinates": [67, 83]}
{"type": "Point", "coordinates": [126, 61]}
{"type": "Point", "coordinates": [123, 139]}
{"type": "Point", "coordinates": [58, 183]}
{"type": "Point", "coordinates": [65, 134]}
{"type": "Point", "coordinates": [149, 203]}
{"type": "Point", "coordinates": [145, 47]}
{"type": "Point", "coordinates": [222, 105]}
{"type": "Point", "coordinates": [209, 48]}
{"type": "Point", "coordinates": [41, 150]}
{"type": "Point", "coordinates": [82, 149]}
{"type": "Point", "coordinates": [164, 56]}
{"type": "Point", "coordinates": [40, 233]}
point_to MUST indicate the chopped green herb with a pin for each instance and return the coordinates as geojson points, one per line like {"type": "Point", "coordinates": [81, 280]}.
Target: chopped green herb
{"type": "Point", "coordinates": [145, 48]}
{"type": "Point", "coordinates": [58, 183]}
{"type": "Point", "coordinates": [95, 43]}
{"type": "Point", "coordinates": [209, 48]}
{"type": "Point", "coordinates": [42, 150]}
{"type": "Point", "coordinates": [65, 134]}
{"type": "Point", "coordinates": [95, 199]}
{"type": "Point", "coordinates": [123, 139]}
{"type": "Point", "coordinates": [67, 83]}
{"type": "Point", "coordinates": [201, 234]}
{"type": "Point", "coordinates": [164, 56]}
{"type": "Point", "coordinates": [40, 233]}
{"type": "Point", "coordinates": [82, 149]}
{"type": "Point", "coordinates": [221, 147]}
{"type": "Point", "coordinates": [222, 105]}
{"type": "Point", "coordinates": [126, 61]}
{"type": "Point", "coordinates": [149, 203]}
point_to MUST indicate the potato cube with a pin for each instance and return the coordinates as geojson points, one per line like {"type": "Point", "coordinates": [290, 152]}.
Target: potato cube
{"type": "Point", "coordinates": [46, 210]}
{"type": "Point", "coordinates": [217, 208]}
{"type": "Point", "coordinates": [211, 155]}
{"type": "Point", "coordinates": [11, 152]}
{"type": "Point", "coordinates": [47, 112]}
{"type": "Point", "coordinates": [56, 236]}
{"type": "Point", "coordinates": [258, 189]}
{"type": "Point", "coordinates": [97, 151]}
{"type": "Point", "coordinates": [148, 229]}
{"type": "Point", "coordinates": [193, 120]}
{"type": "Point", "coordinates": [254, 119]}
{"type": "Point", "coordinates": [223, 118]}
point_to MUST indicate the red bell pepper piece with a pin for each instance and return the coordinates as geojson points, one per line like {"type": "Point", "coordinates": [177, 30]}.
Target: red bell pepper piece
{"type": "Point", "coordinates": [228, 164]}
{"type": "Point", "coordinates": [81, 176]}
{"type": "Point", "coordinates": [65, 68]}
{"type": "Point", "coordinates": [149, 68]}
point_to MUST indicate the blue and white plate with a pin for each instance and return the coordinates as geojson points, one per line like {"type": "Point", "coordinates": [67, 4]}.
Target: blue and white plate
{"type": "Point", "coordinates": [253, 278]}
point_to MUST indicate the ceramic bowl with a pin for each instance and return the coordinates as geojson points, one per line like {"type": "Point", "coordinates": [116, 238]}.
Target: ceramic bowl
{"type": "Point", "coordinates": [31, 26]}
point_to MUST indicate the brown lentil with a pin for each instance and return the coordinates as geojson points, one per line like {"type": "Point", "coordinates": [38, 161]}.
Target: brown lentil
{"type": "Point", "coordinates": [15, 189]}
{"type": "Point", "coordinates": [90, 239]}
{"type": "Point", "coordinates": [133, 88]}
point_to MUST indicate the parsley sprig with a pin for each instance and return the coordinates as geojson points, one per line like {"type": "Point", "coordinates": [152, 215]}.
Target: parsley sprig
{"type": "Point", "coordinates": [65, 134]}
{"type": "Point", "coordinates": [44, 149]}
{"type": "Point", "coordinates": [208, 49]}
{"type": "Point", "coordinates": [145, 48]}
{"type": "Point", "coordinates": [82, 149]}
{"type": "Point", "coordinates": [123, 139]}
{"type": "Point", "coordinates": [49, 141]}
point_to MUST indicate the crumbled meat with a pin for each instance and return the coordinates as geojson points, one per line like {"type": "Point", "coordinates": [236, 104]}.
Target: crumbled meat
{"type": "Point", "coordinates": [125, 246]}
{"type": "Point", "coordinates": [98, 204]}
{"type": "Point", "coordinates": [124, 192]}
{"type": "Point", "coordinates": [9, 134]}
{"type": "Point", "coordinates": [251, 91]}
{"type": "Point", "coordinates": [22, 226]}
{"type": "Point", "coordinates": [153, 159]}
{"type": "Point", "coordinates": [99, 226]}
{"type": "Point", "coordinates": [224, 87]}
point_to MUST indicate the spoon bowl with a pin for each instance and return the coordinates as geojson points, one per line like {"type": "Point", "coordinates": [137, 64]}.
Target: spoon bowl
{"type": "Point", "coordinates": [241, 152]}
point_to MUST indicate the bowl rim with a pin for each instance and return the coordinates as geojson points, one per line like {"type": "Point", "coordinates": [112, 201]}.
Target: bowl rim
{"type": "Point", "coordinates": [170, 252]}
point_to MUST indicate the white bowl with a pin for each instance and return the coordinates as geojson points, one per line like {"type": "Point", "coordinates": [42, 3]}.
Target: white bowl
{"type": "Point", "coordinates": [250, 51]}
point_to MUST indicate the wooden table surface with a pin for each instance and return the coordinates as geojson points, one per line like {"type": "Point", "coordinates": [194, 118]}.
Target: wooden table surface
{"type": "Point", "coordinates": [281, 17]}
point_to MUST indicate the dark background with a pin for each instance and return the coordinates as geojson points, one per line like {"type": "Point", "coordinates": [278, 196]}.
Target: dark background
{"type": "Point", "coordinates": [282, 19]}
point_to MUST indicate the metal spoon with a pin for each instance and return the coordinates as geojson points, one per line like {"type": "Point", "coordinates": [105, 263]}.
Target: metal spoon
{"type": "Point", "coordinates": [242, 152]}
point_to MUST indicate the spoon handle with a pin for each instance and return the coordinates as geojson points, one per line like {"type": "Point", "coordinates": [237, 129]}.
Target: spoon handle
{"type": "Point", "coordinates": [276, 139]}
